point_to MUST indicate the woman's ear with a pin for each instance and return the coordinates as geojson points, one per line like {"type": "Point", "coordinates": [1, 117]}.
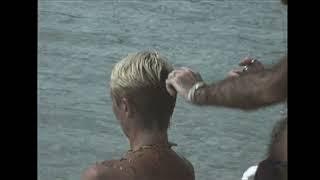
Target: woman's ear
{"type": "Point", "coordinates": [125, 107]}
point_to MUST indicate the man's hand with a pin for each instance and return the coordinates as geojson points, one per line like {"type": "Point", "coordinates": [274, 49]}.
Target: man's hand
{"type": "Point", "coordinates": [181, 81]}
{"type": "Point", "coordinates": [248, 65]}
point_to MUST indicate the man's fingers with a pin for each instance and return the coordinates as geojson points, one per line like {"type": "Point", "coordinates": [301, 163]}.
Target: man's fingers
{"type": "Point", "coordinates": [189, 70]}
{"type": "Point", "coordinates": [171, 90]}
{"type": "Point", "coordinates": [193, 73]}
{"type": "Point", "coordinates": [237, 70]}
{"type": "Point", "coordinates": [232, 74]}
{"type": "Point", "coordinates": [174, 73]}
{"type": "Point", "coordinates": [246, 62]}
{"type": "Point", "coordinates": [171, 74]}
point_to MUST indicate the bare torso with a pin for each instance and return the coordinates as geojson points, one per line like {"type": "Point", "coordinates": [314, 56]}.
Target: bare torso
{"type": "Point", "coordinates": [147, 163]}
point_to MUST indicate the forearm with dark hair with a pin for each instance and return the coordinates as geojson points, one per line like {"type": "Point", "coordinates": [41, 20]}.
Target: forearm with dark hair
{"type": "Point", "coordinates": [249, 91]}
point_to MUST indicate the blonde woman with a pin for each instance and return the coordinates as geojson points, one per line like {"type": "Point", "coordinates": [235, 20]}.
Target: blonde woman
{"type": "Point", "coordinates": [143, 108]}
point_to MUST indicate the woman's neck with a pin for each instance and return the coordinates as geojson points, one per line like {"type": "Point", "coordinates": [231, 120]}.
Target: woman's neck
{"type": "Point", "coordinates": [143, 138]}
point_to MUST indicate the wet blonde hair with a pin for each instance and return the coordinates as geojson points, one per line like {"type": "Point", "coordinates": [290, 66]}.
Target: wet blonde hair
{"type": "Point", "coordinates": [138, 70]}
{"type": "Point", "coordinates": [141, 77]}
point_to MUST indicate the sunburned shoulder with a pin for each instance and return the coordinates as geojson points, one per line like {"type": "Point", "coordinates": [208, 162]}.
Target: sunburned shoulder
{"type": "Point", "coordinates": [104, 171]}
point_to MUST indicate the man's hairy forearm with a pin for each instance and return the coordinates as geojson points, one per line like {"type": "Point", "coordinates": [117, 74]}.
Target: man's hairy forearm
{"type": "Point", "coordinates": [249, 91]}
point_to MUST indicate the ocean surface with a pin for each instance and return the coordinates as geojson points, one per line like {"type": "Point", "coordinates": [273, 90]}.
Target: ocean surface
{"type": "Point", "coordinates": [78, 43]}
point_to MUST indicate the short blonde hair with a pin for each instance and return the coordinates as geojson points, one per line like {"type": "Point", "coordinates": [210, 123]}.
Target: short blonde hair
{"type": "Point", "coordinates": [138, 70]}
{"type": "Point", "coordinates": [141, 77]}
